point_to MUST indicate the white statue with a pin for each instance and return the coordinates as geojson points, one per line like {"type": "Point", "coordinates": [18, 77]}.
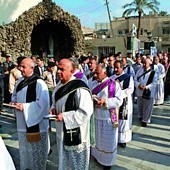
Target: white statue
{"type": "Point", "coordinates": [51, 45]}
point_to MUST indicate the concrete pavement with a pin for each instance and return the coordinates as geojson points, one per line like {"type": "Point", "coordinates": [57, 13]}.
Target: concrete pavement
{"type": "Point", "coordinates": [149, 149]}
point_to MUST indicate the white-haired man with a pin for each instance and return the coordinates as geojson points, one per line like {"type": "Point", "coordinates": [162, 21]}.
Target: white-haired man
{"type": "Point", "coordinates": [159, 96]}
{"type": "Point", "coordinates": [107, 92]}
{"type": "Point", "coordinates": [145, 83]}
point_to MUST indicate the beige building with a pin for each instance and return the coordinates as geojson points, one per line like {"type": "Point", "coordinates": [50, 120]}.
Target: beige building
{"type": "Point", "coordinates": [154, 28]}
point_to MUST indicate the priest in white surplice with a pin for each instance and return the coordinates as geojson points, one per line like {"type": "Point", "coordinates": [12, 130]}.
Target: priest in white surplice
{"type": "Point", "coordinates": [31, 99]}
{"type": "Point", "coordinates": [159, 92]}
{"type": "Point", "coordinates": [125, 111]}
{"type": "Point", "coordinates": [107, 99]}
{"type": "Point", "coordinates": [145, 83]}
{"type": "Point", "coordinates": [73, 105]}
{"type": "Point", "coordinates": [6, 161]}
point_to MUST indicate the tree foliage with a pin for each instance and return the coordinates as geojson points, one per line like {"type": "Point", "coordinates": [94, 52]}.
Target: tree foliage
{"type": "Point", "coordinates": [139, 6]}
{"type": "Point", "coordinates": [163, 13]}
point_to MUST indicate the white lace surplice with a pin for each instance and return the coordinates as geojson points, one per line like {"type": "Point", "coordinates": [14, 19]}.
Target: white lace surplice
{"type": "Point", "coordinates": [6, 161]}
{"type": "Point", "coordinates": [74, 157]}
{"type": "Point", "coordinates": [33, 155]}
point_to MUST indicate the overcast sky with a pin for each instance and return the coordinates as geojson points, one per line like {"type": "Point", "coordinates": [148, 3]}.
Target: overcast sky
{"type": "Point", "coordinates": [88, 11]}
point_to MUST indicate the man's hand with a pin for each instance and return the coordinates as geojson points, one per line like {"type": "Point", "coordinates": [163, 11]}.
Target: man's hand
{"type": "Point", "coordinates": [19, 106]}
{"type": "Point", "coordinates": [142, 87]}
{"type": "Point", "coordinates": [100, 103]}
{"type": "Point", "coordinates": [59, 117]}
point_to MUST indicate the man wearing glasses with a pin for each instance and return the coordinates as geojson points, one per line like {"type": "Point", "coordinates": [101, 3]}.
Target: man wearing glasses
{"type": "Point", "coordinates": [110, 68]}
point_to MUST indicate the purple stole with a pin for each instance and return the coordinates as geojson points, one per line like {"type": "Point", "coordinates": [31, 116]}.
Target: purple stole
{"type": "Point", "coordinates": [111, 87]}
{"type": "Point", "coordinates": [78, 75]}
{"type": "Point", "coordinates": [166, 67]}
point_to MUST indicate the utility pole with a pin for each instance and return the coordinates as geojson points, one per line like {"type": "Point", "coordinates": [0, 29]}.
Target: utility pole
{"type": "Point", "coordinates": [107, 5]}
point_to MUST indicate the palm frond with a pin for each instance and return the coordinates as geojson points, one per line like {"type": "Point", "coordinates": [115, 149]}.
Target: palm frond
{"type": "Point", "coordinates": [139, 6]}
{"type": "Point", "coordinates": [128, 12]}
{"type": "Point", "coordinates": [152, 6]}
{"type": "Point", "coordinates": [128, 5]}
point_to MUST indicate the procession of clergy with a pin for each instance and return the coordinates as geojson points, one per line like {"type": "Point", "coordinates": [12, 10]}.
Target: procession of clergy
{"type": "Point", "coordinates": [91, 101]}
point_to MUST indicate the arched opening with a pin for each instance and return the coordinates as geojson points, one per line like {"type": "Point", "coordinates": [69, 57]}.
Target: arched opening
{"type": "Point", "coordinates": [52, 37]}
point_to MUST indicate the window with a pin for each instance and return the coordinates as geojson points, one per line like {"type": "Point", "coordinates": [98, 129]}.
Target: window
{"type": "Point", "coordinates": [166, 30]}
{"type": "Point", "coordinates": [166, 22]}
{"type": "Point", "coordinates": [126, 31]}
{"type": "Point", "coordinates": [168, 50]}
{"type": "Point", "coordinates": [165, 38]}
{"type": "Point", "coordinates": [120, 32]}
{"type": "Point", "coordinates": [106, 50]}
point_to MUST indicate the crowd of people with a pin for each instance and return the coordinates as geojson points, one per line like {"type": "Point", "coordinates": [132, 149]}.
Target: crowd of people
{"type": "Point", "coordinates": [91, 100]}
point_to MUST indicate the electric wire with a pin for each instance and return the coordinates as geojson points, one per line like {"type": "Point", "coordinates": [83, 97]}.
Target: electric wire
{"type": "Point", "coordinates": [85, 9]}
{"type": "Point", "coordinates": [91, 11]}
{"type": "Point", "coordinates": [87, 6]}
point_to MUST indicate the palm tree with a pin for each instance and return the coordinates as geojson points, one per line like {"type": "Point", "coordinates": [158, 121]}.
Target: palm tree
{"type": "Point", "coordinates": [139, 6]}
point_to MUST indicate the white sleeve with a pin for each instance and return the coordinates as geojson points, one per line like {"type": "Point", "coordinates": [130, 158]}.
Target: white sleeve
{"type": "Point", "coordinates": [136, 82]}
{"type": "Point", "coordinates": [128, 90]}
{"type": "Point", "coordinates": [36, 110]}
{"type": "Point", "coordinates": [73, 119]}
{"type": "Point", "coordinates": [154, 82]}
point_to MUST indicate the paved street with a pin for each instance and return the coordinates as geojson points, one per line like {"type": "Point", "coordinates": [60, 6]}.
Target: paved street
{"type": "Point", "coordinates": [149, 149]}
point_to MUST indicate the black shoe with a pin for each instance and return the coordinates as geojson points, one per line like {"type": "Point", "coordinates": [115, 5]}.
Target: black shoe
{"type": "Point", "coordinates": [140, 119]}
{"type": "Point", "coordinates": [95, 160]}
{"type": "Point", "coordinates": [144, 124]}
{"type": "Point", "coordinates": [122, 145]}
{"type": "Point", "coordinates": [107, 167]}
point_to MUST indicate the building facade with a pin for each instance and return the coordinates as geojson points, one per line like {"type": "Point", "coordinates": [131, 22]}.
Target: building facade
{"type": "Point", "coordinates": [155, 31]}
{"type": "Point", "coordinates": [157, 26]}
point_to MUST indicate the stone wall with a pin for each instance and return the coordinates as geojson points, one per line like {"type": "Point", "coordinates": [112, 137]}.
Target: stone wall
{"type": "Point", "coordinates": [15, 38]}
